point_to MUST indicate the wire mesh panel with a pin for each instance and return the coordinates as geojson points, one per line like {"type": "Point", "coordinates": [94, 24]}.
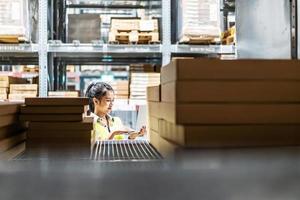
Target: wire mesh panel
{"type": "Point", "coordinates": [125, 150]}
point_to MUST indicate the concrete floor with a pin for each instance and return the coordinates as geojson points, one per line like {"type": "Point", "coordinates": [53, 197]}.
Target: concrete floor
{"type": "Point", "coordinates": [233, 174]}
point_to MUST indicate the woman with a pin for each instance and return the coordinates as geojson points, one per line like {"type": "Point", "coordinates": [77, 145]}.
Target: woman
{"type": "Point", "coordinates": [106, 127]}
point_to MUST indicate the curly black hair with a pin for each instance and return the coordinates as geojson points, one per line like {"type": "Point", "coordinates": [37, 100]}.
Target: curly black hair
{"type": "Point", "coordinates": [97, 90]}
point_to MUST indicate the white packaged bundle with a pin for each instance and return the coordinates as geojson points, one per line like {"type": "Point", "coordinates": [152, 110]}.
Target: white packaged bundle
{"type": "Point", "coordinates": [200, 18]}
{"type": "Point", "coordinates": [14, 18]}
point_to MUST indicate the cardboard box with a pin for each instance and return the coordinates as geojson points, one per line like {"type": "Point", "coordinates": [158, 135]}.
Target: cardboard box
{"type": "Point", "coordinates": [51, 118]}
{"type": "Point", "coordinates": [214, 69]}
{"type": "Point", "coordinates": [5, 81]}
{"type": "Point", "coordinates": [207, 136]}
{"type": "Point", "coordinates": [6, 120]}
{"type": "Point", "coordinates": [10, 142]}
{"type": "Point", "coordinates": [29, 93]}
{"type": "Point", "coordinates": [77, 126]}
{"type": "Point", "coordinates": [85, 135]}
{"type": "Point", "coordinates": [226, 113]}
{"type": "Point", "coordinates": [3, 96]}
{"type": "Point", "coordinates": [4, 84]}
{"type": "Point", "coordinates": [13, 152]}
{"type": "Point", "coordinates": [21, 97]}
{"type": "Point", "coordinates": [23, 87]}
{"type": "Point", "coordinates": [153, 121]}
{"type": "Point", "coordinates": [11, 130]}
{"type": "Point", "coordinates": [3, 90]}
{"type": "Point", "coordinates": [63, 94]}
{"type": "Point", "coordinates": [231, 91]}
{"type": "Point", "coordinates": [165, 148]}
{"type": "Point", "coordinates": [56, 101]}
{"type": "Point", "coordinates": [153, 93]}
{"type": "Point", "coordinates": [52, 109]}
{"type": "Point", "coordinates": [9, 108]}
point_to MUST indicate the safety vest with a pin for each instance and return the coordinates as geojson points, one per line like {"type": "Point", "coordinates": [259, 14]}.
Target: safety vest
{"type": "Point", "coordinates": [101, 131]}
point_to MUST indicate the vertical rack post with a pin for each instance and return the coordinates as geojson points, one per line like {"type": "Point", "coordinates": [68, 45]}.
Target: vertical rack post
{"type": "Point", "coordinates": [43, 57]}
{"type": "Point", "coordinates": [294, 30]}
{"type": "Point", "coordinates": [166, 31]}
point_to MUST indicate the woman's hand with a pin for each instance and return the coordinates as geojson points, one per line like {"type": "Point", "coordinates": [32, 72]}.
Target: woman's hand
{"type": "Point", "coordinates": [134, 135]}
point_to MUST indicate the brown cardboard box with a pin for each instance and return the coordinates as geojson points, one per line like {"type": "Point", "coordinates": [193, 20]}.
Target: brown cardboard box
{"type": "Point", "coordinates": [4, 84]}
{"type": "Point", "coordinates": [154, 109]}
{"type": "Point", "coordinates": [63, 94]}
{"type": "Point", "coordinates": [3, 90]}
{"type": "Point", "coordinates": [5, 81]}
{"type": "Point", "coordinates": [13, 152]}
{"type": "Point", "coordinates": [214, 69]}
{"type": "Point", "coordinates": [23, 87]}
{"type": "Point", "coordinates": [9, 108]}
{"type": "Point", "coordinates": [29, 93]}
{"type": "Point", "coordinates": [153, 121]}
{"type": "Point", "coordinates": [6, 120]}
{"type": "Point", "coordinates": [206, 136]}
{"type": "Point", "coordinates": [13, 80]}
{"type": "Point", "coordinates": [3, 96]}
{"type": "Point", "coordinates": [51, 118]}
{"type": "Point", "coordinates": [226, 113]}
{"type": "Point", "coordinates": [52, 109]}
{"type": "Point", "coordinates": [231, 91]}
{"type": "Point", "coordinates": [71, 134]}
{"type": "Point", "coordinates": [164, 147]}
{"type": "Point", "coordinates": [59, 101]}
{"type": "Point", "coordinates": [12, 141]}
{"type": "Point", "coordinates": [77, 126]}
{"type": "Point", "coordinates": [153, 93]}
{"type": "Point", "coordinates": [21, 97]}
{"type": "Point", "coordinates": [11, 130]}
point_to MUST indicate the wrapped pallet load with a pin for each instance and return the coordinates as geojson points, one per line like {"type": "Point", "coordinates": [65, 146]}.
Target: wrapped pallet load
{"type": "Point", "coordinates": [14, 21]}
{"type": "Point", "coordinates": [199, 21]}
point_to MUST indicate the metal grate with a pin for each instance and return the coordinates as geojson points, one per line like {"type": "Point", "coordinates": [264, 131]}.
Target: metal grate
{"type": "Point", "coordinates": [125, 150]}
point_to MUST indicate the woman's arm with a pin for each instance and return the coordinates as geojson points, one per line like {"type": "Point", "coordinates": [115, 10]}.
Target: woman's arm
{"type": "Point", "coordinates": [113, 134]}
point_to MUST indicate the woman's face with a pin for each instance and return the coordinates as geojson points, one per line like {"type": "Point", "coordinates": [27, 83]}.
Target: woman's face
{"type": "Point", "coordinates": [104, 105]}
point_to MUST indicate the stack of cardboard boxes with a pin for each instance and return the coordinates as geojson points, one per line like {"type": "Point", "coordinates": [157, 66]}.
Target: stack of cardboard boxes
{"type": "Point", "coordinates": [57, 125]}
{"type": "Point", "coordinates": [18, 92]}
{"type": "Point", "coordinates": [5, 82]}
{"type": "Point", "coordinates": [139, 83]}
{"type": "Point", "coordinates": [12, 131]}
{"type": "Point", "coordinates": [63, 94]}
{"type": "Point", "coordinates": [121, 89]}
{"type": "Point", "coordinates": [228, 103]}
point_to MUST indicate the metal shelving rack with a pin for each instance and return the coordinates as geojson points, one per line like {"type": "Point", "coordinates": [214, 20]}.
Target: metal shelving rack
{"type": "Point", "coordinates": [46, 50]}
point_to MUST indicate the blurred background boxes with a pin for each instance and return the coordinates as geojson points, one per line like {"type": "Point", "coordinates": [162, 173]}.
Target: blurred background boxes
{"type": "Point", "coordinates": [6, 82]}
{"type": "Point", "coordinates": [139, 83]}
{"type": "Point", "coordinates": [84, 27]}
{"type": "Point", "coordinates": [18, 92]}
